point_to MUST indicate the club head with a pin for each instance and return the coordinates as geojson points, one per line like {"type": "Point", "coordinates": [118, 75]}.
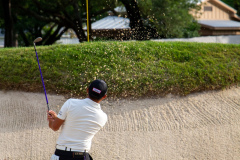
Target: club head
{"type": "Point", "coordinates": [37, 40]}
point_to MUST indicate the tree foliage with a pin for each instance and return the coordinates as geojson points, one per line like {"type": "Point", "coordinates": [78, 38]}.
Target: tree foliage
{"type": "Point", "coordinates": [172, 18]}
{"type": "Point", "coordinates": [8, 22]}
{"type": "Point", "coordinates": [61, 15]}
{"type": "Point", "coordinates": [51, 19]}
{"type": "Point", "coordinates": [233, 3]}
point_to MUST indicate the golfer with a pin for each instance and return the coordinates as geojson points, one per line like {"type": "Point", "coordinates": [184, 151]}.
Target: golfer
{"type": "Point", "coordinates": [80, 119]}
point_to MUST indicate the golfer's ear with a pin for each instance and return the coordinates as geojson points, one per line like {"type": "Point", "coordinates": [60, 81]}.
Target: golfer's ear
{"type": "Point", "coordinates": [87, 90]}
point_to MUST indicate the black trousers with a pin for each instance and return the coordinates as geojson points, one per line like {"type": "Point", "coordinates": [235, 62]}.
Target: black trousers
{"type": "Point", "coordinates": [68, 155]}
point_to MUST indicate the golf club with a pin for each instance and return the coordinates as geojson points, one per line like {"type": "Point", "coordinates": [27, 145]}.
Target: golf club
{"type": "Point", "coordinates": [35, 41]}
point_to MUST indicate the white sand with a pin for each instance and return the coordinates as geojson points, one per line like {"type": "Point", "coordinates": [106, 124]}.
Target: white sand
{"type": "Point", "coordinates": [199, 126]}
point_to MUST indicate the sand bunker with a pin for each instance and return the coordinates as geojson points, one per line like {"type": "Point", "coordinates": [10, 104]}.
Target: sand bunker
{"type": "Point", "coordinates": [199, 126]}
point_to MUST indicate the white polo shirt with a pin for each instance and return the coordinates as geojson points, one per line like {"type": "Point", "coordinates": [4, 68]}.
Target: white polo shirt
{"type": "Point", "coordinates": [83, 119]}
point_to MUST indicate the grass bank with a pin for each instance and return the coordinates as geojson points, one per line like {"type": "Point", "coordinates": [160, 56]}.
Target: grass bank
{"type": "Point", "coordinates": [131, 69]}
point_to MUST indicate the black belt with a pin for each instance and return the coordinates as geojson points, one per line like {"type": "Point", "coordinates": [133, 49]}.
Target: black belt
{"type": "Point", "coordinates": [70, 154]}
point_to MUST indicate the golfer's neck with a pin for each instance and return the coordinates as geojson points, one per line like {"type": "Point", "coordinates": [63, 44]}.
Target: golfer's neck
{"type": "Point", "coordinates": [97, 101]}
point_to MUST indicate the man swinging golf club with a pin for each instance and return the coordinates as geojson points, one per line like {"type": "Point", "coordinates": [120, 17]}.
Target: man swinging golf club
{"type": "Point", "coordinates": [80, 119]}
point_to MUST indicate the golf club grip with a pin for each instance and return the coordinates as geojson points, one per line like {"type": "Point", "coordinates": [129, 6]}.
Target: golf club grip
{"type": "Point", "coordinates": [48, 107]}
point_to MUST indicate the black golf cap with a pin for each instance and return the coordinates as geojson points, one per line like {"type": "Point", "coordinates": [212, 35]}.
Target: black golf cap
{"type": "Point", "coordinates": [97, 89]}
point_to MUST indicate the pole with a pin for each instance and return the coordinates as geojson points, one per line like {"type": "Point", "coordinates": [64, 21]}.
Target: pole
{"type": "Point", "coordinates": [87, 22]}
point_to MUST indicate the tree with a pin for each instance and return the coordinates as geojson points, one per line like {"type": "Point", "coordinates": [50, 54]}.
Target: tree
{"type": "Point", "coordinates": [65, 14]}
{"type": "Point", "coordinates": [135, 12]}
{"type": "Point", "coordinates": [8, 22]}
{"type": "Point", "coordinates": [136, 23]}
{"type": "Point", "coordinates": [235, 4]}
{"type": "Point", "coordinates": [50, 19]}
{"type": "Point", "coordinates": [172, 18]}
{"type": "Point", "coordinates": [161, 18]}
{"type": "Point", "coordinates": [20, 25]}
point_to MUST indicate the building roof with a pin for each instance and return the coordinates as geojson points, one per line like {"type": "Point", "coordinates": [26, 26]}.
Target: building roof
{"type": "Point", "coordinates": [222, 4]}
{"type": "Point", "coordinates": [229, 8]}
{"type": "Point", "coordinates": [111, 22]}
{"type": "Point", "coordinates": [219, 23]}
{"type": "Point", "coordinates": [231, 11]}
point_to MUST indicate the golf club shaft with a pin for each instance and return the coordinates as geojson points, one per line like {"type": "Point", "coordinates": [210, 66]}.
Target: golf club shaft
{"type": "Point", "coordinates": [41, 77]}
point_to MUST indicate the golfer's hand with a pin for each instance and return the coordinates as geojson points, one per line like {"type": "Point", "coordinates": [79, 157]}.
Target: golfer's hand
{"type": "Point", "coordinates": [51, 115]}
{"type": "Point", "coordinates": [54, 122]}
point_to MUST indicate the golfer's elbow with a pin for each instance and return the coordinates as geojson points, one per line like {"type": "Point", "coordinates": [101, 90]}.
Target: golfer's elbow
{"type": "Point", "coordinates": [53, 127]}
{"type": "Point", "coordinates": [55, 124]}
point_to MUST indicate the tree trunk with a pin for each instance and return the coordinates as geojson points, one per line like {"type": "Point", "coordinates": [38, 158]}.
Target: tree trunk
{"type": "Point", "coordinates": [78, 23]}
{"type": "Point", "coordinates": [90, 22]}
{"type": "Point", "coordinates": [24, 37]}
{"type": "Point", "coordinates": [8, 38]}
{"type": "Point", "coordinates": [55, 36]}
{"type": "Point", "coordinates": [136, 23]}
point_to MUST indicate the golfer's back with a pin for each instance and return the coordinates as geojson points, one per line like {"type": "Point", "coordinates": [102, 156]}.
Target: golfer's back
{"type": "Point", "coordinates": [83, 119]}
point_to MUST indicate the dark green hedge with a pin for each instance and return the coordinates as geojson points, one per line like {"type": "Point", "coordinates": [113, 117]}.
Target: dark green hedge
{"type": "Point", "coordinates": [131, 69]}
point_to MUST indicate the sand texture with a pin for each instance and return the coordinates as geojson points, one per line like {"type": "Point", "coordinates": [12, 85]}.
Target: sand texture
{"type": "Point", "coordinates": [202, 126]}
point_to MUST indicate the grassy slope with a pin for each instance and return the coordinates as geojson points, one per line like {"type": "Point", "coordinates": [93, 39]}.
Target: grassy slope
{"type": "Point", "coordinates": [132, 69]}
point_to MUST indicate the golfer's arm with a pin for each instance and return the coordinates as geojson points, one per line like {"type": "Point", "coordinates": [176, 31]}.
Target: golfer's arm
{"type": "Point", "coordinates": [55, 124]}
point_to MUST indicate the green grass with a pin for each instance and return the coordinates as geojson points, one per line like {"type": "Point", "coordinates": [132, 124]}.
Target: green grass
{"type": "Point", "coordinates": [131, 69]}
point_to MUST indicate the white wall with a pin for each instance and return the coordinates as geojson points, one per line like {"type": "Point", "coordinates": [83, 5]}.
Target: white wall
{"type": "Point", "coordinates": [65, 40]}
{"type": "Point", "coordinates": [1, 39]}
{"type": "Point", "coordinates": [1, 42]}
{"type": "Point", "coordinates": [231, 39]}
{"type": "Point", "coordinates": [234, 39]}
